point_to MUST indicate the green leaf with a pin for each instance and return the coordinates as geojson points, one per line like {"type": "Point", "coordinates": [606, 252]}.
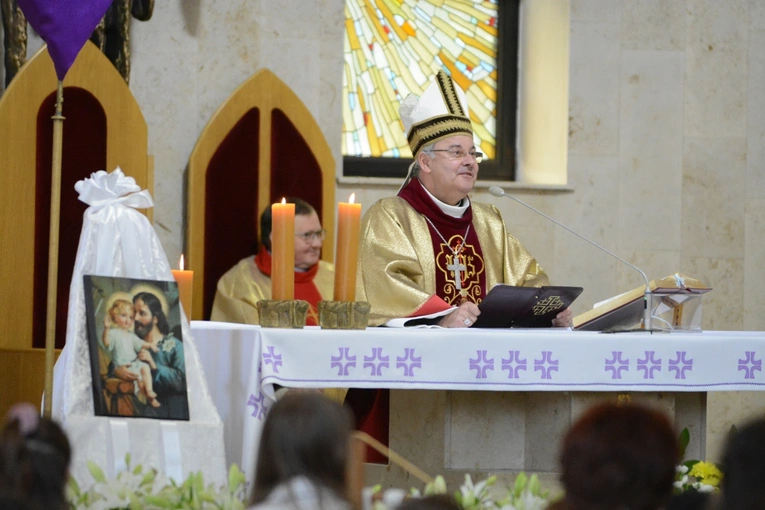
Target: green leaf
{"type": "Point", "coordinates": [439, 485]}
{"type": "Point", "coordinates": [160, 501]}
{"type": "Point", "coordinates": [136, 503]}
{"type": "Point", "coordinates": [683, 440]}
{"type": "Point", "coordinates": [148, 477]}
{"type": "Point", "coordinates": [534, 486]}
{"type": "Point", "coordinates": [74, 487]}
{"type": "Point", "coordinates": [96, 472]}
{"type": "Point", "coordinates": [206, 497]}
{"type": "Point", "coordinates": [235, 478]}
{"type": "Point", "coordinates": [520, 484]}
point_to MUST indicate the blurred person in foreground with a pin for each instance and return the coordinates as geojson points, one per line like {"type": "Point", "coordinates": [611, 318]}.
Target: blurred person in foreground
{"type": "Point", "coordinates": [304, 460]}
{"type": "Point", "coordinates": [34, 461]}
{"type": "Point", "coordinates": [743, 482]}
{"type": "Point", "coordinates": [434, 502]}
{"type": "Point", "coordinates": [618, 457]}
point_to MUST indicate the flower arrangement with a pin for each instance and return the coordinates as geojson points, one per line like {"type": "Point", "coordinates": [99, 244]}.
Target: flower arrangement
{"type": "Point", "coordinates": [138, 488]}
{"type": "Point", "coordinates": [526, 494]}
{"type": "Point", "coordinates": [695, 475]}
{"type": "Point", "coordinates": [698, 475]}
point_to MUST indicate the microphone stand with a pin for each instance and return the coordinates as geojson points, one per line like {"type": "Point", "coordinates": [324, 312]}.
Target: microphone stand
{"type": "Point", "coordinates": [647, 296]}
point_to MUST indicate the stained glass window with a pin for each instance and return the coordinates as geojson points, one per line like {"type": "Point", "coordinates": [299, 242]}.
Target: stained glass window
{"type": "Point", "coordinates": [394, 47]}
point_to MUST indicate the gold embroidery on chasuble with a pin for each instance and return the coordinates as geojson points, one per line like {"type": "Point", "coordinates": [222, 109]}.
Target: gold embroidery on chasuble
{"type": "Point", "coordinates": [463, 260]}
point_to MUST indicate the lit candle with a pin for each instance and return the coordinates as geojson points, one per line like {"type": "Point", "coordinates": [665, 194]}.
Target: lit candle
{"type": "Point", "coordinates": [347, 252]}
{"type": "Point", "coordinates": [283, 251]}
{"type": "Point", "coordinates": [185, 280]}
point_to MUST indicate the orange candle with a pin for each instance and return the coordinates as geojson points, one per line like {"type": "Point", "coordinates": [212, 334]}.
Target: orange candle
{"type": "Point", "coordinates": [185, 280]}
{"type": "Point", "coordinates": [283, 251]}
{"type": "Point", "coordinates": [347, 253]}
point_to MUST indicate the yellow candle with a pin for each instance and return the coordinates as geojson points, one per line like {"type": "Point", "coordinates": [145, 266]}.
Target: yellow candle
{"type": "Point", "coordinates": [283, 251]}
{"type": "Point", "coordinates": [347, 252]}
{"type": "Point", "coordinates": [185, 280]}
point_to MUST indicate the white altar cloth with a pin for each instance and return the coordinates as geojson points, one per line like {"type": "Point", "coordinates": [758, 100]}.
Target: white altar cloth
{"type": "Point", "coordinates": [473, 360]}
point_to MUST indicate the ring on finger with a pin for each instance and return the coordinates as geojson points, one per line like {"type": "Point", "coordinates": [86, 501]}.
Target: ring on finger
{"type": "Point", "coordinates": [467, 322]}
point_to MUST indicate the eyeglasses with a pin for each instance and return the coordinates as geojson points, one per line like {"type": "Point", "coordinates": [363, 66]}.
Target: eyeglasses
{"type": "Point", "coordinates": [316, 235]}
{"type": "Point", "coordinates": [455, 153]}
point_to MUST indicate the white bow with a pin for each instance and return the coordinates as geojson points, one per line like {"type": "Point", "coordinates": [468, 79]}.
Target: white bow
{"type": "Point", "coordinates": [103, 188]}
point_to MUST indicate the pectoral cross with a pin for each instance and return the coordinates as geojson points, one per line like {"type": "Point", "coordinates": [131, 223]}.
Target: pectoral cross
{"type": "Point", "coordinates": [457, 268]}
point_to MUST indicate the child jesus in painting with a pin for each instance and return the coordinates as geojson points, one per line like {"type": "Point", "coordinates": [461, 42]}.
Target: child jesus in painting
{"type": "Point", "coordinates": [123, 345]}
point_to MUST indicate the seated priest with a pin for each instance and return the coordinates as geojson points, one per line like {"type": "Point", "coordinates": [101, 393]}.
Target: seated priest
{"type": "Point", "coordinates": [429, 255]}
{"type": "Point", "coordinates": [249, 281]}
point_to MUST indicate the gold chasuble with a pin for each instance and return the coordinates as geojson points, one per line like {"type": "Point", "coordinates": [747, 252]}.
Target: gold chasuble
{"type": "Point", "coordinates": [249, 281]}
{"type": "Point", "coordinates": [410, 266]}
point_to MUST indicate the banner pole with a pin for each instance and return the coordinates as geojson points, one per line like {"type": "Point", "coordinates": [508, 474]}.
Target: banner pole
{"type": "Point", "coordinates": [53, 237]}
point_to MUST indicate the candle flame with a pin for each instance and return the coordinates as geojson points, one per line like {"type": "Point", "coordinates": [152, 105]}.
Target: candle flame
{"type": "Point", "coordinates": [180, 264]}
{"type": "Point", "coordinates": [352, 198]}
{"type": "Point", "coordinates": [284, 200]}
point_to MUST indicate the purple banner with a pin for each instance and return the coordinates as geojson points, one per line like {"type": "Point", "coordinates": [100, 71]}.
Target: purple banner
{"type": "Point", "coordinates": [65, 25]}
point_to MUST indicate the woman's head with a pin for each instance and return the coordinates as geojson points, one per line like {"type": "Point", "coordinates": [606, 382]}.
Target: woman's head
{"type": "Point", "coordinates": [34, 459]}
{"type": "Point", "coordinates": [122, 314]}
{"type": "Point", "coordinates": [742, 485]}
{"type": "Point", "coordinates": [307, 435]}
{"type": "Point", "coordinates": [619, 457]}
{"type": "Point", "coordinates": [434, 502]}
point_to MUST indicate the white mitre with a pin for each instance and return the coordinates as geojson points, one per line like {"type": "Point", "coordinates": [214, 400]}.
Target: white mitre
{"type": "Point", "coordinates": [441, 112]}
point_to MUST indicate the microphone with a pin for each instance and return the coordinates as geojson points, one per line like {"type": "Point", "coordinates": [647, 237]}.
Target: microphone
{"type": "Point", "coordinates": [648, 305]}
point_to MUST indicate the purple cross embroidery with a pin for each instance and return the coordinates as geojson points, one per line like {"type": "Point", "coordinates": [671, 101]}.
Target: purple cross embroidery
{"type": "Point", "coordinates": [376, 367]}
{"type": "Point", "coordinates": [272, 358]}
{"type": "Point", "coordinates": [343, 361]}
{"type": "Point", "coordinates": [259, 407]}
{"type": "Point", "coordinates": [680, 365]}
{"type": "Point", "coordinates": [507, 364]}
{"type": "Point", "coordinates": [539, 364]}
{"type": "Point", "coordinates": [408, 357]}
{"type": "Point", "coordinates": [616, 370]}
{"type": "Point", "coordinates": [649, 364]}
{"type": "Point", "coordinates": [481, 364]}
{"type": "Point", "coordinates": [749, 365]}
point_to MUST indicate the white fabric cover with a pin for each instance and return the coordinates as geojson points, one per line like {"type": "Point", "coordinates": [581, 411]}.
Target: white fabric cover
{"type": "Point", "coordinates": [117, 240]}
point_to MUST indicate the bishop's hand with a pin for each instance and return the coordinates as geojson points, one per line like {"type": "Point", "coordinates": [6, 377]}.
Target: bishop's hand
{"type": "Point", "coordinates": [563, 319]}
{"type": "Point", "coordinates": [463, 316]}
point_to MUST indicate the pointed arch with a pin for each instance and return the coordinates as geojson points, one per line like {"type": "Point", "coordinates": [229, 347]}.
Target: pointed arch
{"type": "Point", "coordinates": [262, 125]}
{"type": "Point", "coordinates": [99, 99]}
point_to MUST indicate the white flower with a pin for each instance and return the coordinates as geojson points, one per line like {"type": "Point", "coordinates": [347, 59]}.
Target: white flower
{"type": "Point", "coordinates": [682, 469]}
{"type": "Point", "coordinates": [131, 488]}
{"type": "Point", "coordinates": [702, 487]}
{"type": "Point", "coordinates": [168, 345]}
{"type": "Point", "coordinates": [529, 501]}
{"type": "Point", "coordinates": [682, 482]}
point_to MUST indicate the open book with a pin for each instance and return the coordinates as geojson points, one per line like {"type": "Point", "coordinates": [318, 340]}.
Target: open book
{"type": "Point", "coordinates": [626, 310]}
{"type": "Point", "coordinates": [507, 306]}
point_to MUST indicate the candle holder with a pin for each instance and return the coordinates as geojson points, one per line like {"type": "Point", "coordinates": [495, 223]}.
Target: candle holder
{"type": "Point", "coordinates": [343, 314]}
{"type": "Point", "coordinates": [282, 314]}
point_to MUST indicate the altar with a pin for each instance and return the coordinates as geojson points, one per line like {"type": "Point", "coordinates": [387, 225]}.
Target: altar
{"type": "Point", "coordinates": [478, 401]}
